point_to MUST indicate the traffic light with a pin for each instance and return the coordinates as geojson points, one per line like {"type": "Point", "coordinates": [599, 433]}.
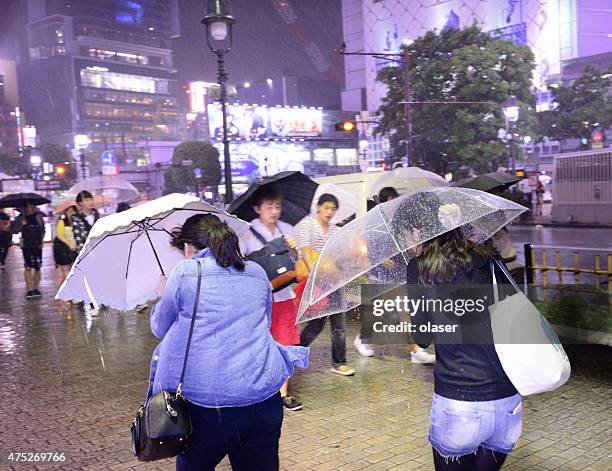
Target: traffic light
{"type": "Point", "coordinates": [347, 125]}
{"type": "Point", "coordinates": [520, 173]}
{"type": "Point", "coordinates": [60, 170]}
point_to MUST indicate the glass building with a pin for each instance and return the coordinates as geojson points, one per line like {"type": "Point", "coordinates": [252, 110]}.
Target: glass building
{"type": "Point", "coordinates": [102, 68]}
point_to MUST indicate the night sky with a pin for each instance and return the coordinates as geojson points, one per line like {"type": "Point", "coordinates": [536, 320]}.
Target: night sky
{"type": "Point", "coordinates": [264, 45]}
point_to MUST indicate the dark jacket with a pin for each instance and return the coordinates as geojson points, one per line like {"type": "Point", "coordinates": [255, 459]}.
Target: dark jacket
{"type": "Point", "coordinates": [467, 366]}
{"type": "Point", "coordinates": [31, 227]}
{"type": "Point", "coordinates": [81, 228]}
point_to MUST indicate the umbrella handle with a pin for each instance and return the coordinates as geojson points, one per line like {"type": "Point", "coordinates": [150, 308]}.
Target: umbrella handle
{"type": "Point", "coordinates": [154, 252]}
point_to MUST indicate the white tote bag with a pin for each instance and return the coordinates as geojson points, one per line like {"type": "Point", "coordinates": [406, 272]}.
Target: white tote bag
{"type": "Point", "coordinates": [529, 350]}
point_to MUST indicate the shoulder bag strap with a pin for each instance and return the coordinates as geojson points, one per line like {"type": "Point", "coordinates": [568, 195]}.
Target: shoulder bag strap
{"type": "Point", "coordinates": [495, 289]}
{"type": "Point", "coordinates": [504, 270]}
{"type": "Point", "coordinates": [258, 236]}
{"type": "Point", "coordinates": [179, 389]}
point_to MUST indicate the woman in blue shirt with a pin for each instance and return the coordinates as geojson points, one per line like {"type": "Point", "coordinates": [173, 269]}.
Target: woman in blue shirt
{"type": "Point", "coordinates": [235, 369]}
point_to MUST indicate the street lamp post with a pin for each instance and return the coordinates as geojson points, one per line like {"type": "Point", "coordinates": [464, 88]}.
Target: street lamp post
{"type": "Point", "coordinates": [81, 141]}
{"type": "Point", "coordinates": [511, 112]}
{"type": "Point", "coordinates": [36, 162]}
{"type": "Point", "coordinates": [219, 37]}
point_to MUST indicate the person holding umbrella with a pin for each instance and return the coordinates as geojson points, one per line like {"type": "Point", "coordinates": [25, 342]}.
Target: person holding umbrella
{"type": "Point", "coordinates": [64, 245]}
{"type": "Point", "coordinates": [476, 411]}
{"type": "Point", "coordinates": [287, 196]}
{"type": "Point", "coordinates": [31, 225]}
{"type": "Point", "coordinates": [83, 221]}
{"type": "Point", "coordinates": [232, 385]}
{"type": "Point", "coordinates": [313, 233]}
{"type": "Point", "coordinates": [266, 227]}
{"type": "Point", "coordinates": [6, 236]}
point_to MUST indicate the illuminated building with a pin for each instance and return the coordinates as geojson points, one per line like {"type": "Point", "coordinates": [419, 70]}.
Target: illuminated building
{"type": "Point", "coordinates": [564, 36]}
{"type": "Point", "coordinates": [103, 69]}
{"type": "Point", "coordinates": [557, 31]}
{"type": "Point", "coordinates": [10, 140]}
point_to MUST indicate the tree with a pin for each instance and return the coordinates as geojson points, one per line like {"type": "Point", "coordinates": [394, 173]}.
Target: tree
{"type": "Point", "coordinates": [55, 154]}
{"type": "Point", "coordinates": [12, 164]}
{"type": "Point", "coordinates": [191, 158]}
{"type": "Point", "coordinates": [580, 108]}
{"type": "Point", "coordinates": [456, 65]}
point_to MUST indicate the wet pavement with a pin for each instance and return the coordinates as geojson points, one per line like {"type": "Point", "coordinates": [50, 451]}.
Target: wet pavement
{"type": "Point", "coordinates": [71, 383]}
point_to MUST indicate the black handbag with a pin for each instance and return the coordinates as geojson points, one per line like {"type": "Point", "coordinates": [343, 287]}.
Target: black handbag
{"type": "Point", "coordinates": [275, 258]}
{"type": "Point", "coordinates": [162, 427]}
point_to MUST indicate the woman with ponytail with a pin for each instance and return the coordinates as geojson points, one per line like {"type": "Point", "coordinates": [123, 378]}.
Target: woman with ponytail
{"type": "Point", "coordinates": [235, 369]}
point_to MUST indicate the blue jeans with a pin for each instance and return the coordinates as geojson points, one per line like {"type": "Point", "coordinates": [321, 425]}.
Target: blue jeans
{"type": "Point", "coordinates": [248, 435]}
{"type": "Point", "coordinates": [461, 427]}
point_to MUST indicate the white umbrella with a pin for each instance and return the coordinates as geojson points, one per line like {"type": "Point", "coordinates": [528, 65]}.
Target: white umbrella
{"type": "Point", "coordinates": [346, 201]}
{"type": "Point", "coordinates": [407, 180]}
{"type": "Point", "coordinates": [114, 188]}
{"type": "Point", "coordinates": [125, 253]}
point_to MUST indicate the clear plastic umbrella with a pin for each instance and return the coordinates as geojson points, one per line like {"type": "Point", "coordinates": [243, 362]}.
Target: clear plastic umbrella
{"type": "Point", "coordinates": [60, 205]}
{"type": "Point", "coordinates": [115, 188]}
{"type": "Point", "coordinates": [407, 180]}
{"type": "Point", "coordinates": [376, 247]}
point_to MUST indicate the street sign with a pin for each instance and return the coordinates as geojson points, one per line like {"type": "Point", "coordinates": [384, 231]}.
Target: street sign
{"type": "Point", "coordinates": [46, 185]}
{"type": "Point", "coordinates": [533, 180]}
{"type": "Point", "coordinates": [597, 139]}
{"type": "Point", "coordinates": [17, 185]}
{"type": "Point", "coordinates": [108, 158]}
{"type": "Point", "coordinates": [110, 170]}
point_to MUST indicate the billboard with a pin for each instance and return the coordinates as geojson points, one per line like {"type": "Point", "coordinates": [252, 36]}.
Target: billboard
{"type": "Point", "coordinates": [296, 122]}
{"type": "Point", "coordinates": [198, 96]}
{"type": "Point", "coordinates": [252, 160]}
{"type": "Point", "coordinates": [29, 136]}
{"type": "Point", "coordinates": [258, 122]}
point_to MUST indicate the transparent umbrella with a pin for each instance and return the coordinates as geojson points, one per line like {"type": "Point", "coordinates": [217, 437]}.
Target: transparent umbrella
{"type": "Point", "coordinates": [115, 188]}
{"type": "Point", "coordinates": [60, 205]}
{"type": "Point", "coordinates": [376, 247]}
{"type": "Point", "coordinates": [407, 180]}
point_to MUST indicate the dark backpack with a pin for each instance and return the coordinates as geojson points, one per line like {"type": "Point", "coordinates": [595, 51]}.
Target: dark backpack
{"type": "Point", "coordinates": [275, 259]}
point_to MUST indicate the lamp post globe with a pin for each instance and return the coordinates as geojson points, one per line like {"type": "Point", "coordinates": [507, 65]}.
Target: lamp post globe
{"type": "Point", "coordinates": [511, 113]}
{"type": "Point", "coordinates": [511, 109]}
{"type": "Point", "coordinates": [219, 22]}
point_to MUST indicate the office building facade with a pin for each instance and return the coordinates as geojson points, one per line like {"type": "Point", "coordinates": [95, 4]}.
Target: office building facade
{"type": "Point", "coordinates": [102, 68]}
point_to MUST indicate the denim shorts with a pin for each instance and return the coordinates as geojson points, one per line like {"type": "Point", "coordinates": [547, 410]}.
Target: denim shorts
{"type": "Point", "coordinates": [461, 427]}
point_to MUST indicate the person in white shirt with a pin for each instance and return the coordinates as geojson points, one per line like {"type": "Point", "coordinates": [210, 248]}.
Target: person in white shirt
{"type": "Point", "coordinates": [314, 232]}
{"type": "Point", "coordinates": [268, 206]}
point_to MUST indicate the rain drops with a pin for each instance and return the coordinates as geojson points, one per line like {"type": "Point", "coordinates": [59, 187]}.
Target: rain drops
{"type": "Point", "coordinates": [449, 215]}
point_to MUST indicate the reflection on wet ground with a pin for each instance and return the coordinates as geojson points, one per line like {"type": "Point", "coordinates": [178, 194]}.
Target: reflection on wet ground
{"type": "Point", "coordinates": [71, 383]}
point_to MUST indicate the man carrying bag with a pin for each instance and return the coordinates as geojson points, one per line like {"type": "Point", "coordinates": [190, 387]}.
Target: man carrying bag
{"type": "Point", "coordinates": [263, 240]}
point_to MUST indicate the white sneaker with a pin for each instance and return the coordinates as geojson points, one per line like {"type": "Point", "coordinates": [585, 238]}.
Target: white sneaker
{"type": "Point", "coordinates": [363, 348]}
{"type": "Point", "coordinates": [421, 356]}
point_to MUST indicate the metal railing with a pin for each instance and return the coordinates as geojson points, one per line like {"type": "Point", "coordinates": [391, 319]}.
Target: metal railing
{"type": "Point", "coordinates": [532, 267]}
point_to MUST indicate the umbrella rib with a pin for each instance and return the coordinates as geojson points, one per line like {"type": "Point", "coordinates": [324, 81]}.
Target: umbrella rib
{"type": "Point", "coordinates": [154, 251]}
{"type": "Point", "coordinates": [102, 240]}
{"type": "Point", "coordinates": [384, 218]}
{"type": "Point", "coordinates": [127, 265]}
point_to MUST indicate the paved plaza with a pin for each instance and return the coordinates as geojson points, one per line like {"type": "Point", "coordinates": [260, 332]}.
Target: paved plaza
{"type": "Point", "coordinates": [71, 383]}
